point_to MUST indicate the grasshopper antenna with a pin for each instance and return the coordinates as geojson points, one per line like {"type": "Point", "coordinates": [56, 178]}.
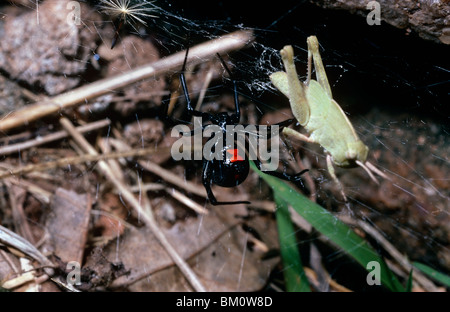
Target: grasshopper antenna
{"type": "Point", "coordinates": [377, 171]}
{"type": "Point", "coordinates": [369, 172]}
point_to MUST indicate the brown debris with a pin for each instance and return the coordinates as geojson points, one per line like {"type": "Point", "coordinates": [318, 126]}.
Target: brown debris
{"type": "Point", "coordinates": [52, 54]}
{"type": "Point", "coordinates": [10, 96]}
{"type": "Point", "coordinates": [221, 243]}
{"type": "Point", "coordinates": [133, 53]}
{"type": "Point", "coordinates": [67, 225]}
{"type": "Point", "coordinates": [428, 18]}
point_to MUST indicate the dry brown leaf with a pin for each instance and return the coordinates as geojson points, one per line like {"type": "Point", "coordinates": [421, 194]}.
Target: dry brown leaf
{"type": "Point", "coordinates": [216, 248]}
{"type": "Point", "coordinates": [67, 224]}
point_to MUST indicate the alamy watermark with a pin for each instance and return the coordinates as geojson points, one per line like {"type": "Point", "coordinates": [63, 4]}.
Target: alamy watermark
{"type": "Point", "coordinates": [74, 16]}
{"type": "Point", "coordinates": [374, 276]}
{"type": "Point", "coordinates": [74, 275]}
{"type": "Point", "coordinates": [257, 138]}
{"type": "Point", "coordinates": [374, 16]}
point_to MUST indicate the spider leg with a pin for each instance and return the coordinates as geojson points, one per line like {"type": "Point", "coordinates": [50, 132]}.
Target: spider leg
{"type": "Point", "coordinates": [281, 125]}
{"type": "Point", "coordinates": [258, 163]}
{"type": "Point", "coordinates": [237, 113]}
{"type": "Point", "coordinates": [206, 180]}
{"type": "Point", "coordinates": [268, 134]}
{"type": "Point", "coordinates": [281, 175]}
{"type": "Point", "coordinates": [285, 123]}
{"type": "Point", "coordinates": [191, 110]}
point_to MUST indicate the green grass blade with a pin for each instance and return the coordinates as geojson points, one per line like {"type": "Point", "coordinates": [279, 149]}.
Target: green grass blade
{"type": "Point", "coordinates": [294, 276]}
{"type": "Point", "coordinates": [437, 276]}
{"type": "Point", "coordinates": [409, 282]}
{"type": "Point", "coordinates": [327, 224]}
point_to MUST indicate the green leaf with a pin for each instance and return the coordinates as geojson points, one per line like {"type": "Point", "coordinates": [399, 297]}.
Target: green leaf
{"type": "Point", "coordinates": [330, 226]}
{"type": "Point", "coordinates": [439, 277]}
{"type": "Point", "coordinates": [294, 276]}
{"type": "Point", "coordinates": [409, 282]}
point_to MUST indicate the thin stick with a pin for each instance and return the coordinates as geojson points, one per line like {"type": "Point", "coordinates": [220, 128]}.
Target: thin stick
{"type": "Point", "coordinates": [76, 160]}
{"type": "Point", "coordinates": [172, 178]}
{"type": "Point", "coordinates": [9, 238]}
{"type": "Point", "coordinates": [38, 192]}
{"type": "Point", "coordinates": [197, 54]}
{"type": "Point", "coordinates": [402, 260]}
{"type": "Point", "coordinates": [174, 193]}
{"type": "Point", "coordinates": [201, 97]}
{"type": "Point", "coordinates": [19, 136]}
{"type": "Point", "coordinates": [165, 174]}
{"type": "Point", "coordinates": [10, 262]}
{"type": "Point", "coordinates": [187, 201]}
{"type": "Point", "coordinates": [421, 279]}
{"type": "Point", "coordinates": [131, 199]}
{"type": "Point", "coordinates": [9, 149]}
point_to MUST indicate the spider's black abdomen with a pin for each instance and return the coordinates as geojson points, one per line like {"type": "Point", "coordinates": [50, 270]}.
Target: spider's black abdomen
{"type": "Point", "coordinates": [229, 174]}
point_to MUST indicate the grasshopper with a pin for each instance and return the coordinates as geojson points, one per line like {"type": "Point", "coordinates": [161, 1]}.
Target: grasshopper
{"type": "Point", "coordinates": [314, 108]}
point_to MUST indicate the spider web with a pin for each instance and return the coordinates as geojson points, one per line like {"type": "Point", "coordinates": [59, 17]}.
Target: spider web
{"type": "Point", "coordinates": [394, 87]}
{"type": "Point", "coordinates": [394, 92]}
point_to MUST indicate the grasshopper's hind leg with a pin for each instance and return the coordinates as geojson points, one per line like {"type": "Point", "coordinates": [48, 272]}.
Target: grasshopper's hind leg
{"type": "Point", "coordinates": [321, 75]}
{"type": "Point", "coordinates": [291, 133]}
{"type": "Point", "coordinates": [289, 84]}
{"type": "Point", "coordinates": [294, 134]}
{"type": "Point", "coordinates": [334, 177]}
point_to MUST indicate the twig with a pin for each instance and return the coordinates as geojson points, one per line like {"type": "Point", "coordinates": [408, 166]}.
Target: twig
{"type": "Point", "coordinates": [172, 178]}
{"type": "Point", "coordinates": [312, 277]}
{"type": "Point", "coordinates": [131, 199]}
{"type": "Point", "coordinates": [10, 262]}
{"type": "Point", "coordinates": [166, 175]}
{"type": "Point", "coordinates": [19, 136]}
{"type": "Point", "coordinates": [186, 201]}
{"type": "Point", "coordinates": [17, 198]}
{"type": "Point", "coordinates": [423, 281]}
{"type": "Point", "coordinates": [401, 259]}
{"type": "Point", "coordinates": [9, 238]}
{"type": "Point", "coordinates": [28, 274]}
{"type": "Point", "coordinates": [197, 54]}
{"type": "Point", "coordinates": [38, 192]}
{"type": "Point", "coordinates": [8, 149]}
{"type": "Point", "coordinates": [76, 160]}
{"type": "Point", "coordinates": [205, 85]}
{"type": "Point", "coordinates": [179, 261]}
{"type": "Point", "coordinates": [174, 193]}
{"type": "Point", "coordinates": [112, 163]}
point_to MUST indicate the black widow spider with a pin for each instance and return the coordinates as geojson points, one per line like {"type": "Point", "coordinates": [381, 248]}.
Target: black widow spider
{"type": "Point", "coordinates": [228, 171]}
